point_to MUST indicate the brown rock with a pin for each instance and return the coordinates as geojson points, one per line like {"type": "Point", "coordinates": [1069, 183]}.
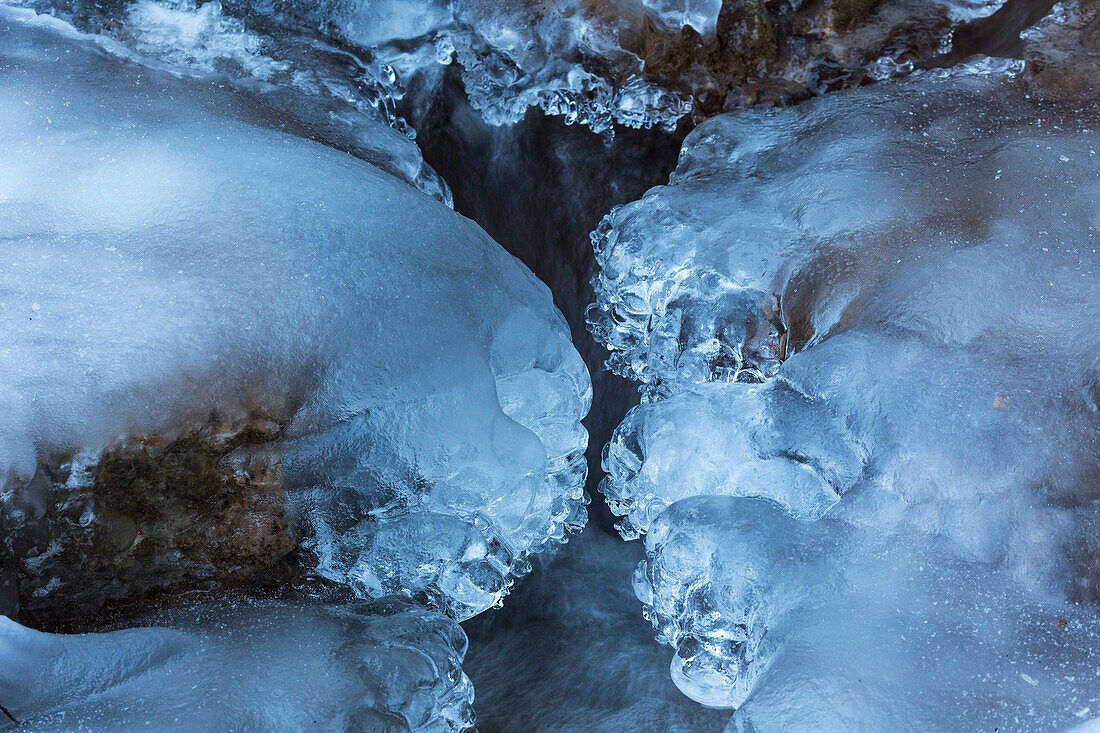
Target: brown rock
{"type": "Point", "coordinates": [1063, 54]}
{"type": "Point", "coordinates": [154, 515]}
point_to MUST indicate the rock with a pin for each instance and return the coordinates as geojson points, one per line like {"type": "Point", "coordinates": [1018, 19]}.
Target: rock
{"type": "Point", "coordinates": [149, 515]}
{"type": "Point", "coordinates": [1063, 53]}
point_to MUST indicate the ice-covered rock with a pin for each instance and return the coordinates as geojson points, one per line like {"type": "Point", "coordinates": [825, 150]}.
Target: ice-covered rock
{"type": "Point", "coordinates": [877, 311]}
{"type": "Point", "coordinates": [243, 665]}
{"type": "Point", "coordinates": [638, 63]}
{"type": "Point", "coordinates": [1063, 52]}
{"type": "Point", "coordinates": [699, 280]}
{"type": "Point", "coordinates": [568, 57]}
{"type": "Point", "coordinates": [169, 261]}
{"type": "Point", "coordinates": [829, 626]}
{"type": "Point", "coordinates": [297, 79]}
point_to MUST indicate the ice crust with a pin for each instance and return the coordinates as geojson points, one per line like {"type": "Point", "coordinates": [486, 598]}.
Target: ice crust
{"type": "Point", "coordinates": [867, 457]}
{"type": "Point", "coordinates": [599, 63]}
{"type": "Point", "coordinates": [638, 63]}
{"type": "Point", "coordinates": [567, 57]}
{"type": "Point", "coordinates": [298, 79]}
{"type": "Point", "coordinates": [163, 256]}
{"type": "Point", "coordinates": [252, 665]}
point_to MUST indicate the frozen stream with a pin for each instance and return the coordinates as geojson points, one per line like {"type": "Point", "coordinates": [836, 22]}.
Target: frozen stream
{"type": "Point", "coordinates": [432, 365]}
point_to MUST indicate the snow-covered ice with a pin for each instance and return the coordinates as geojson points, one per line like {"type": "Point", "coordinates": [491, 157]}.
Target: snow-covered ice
{"type": "Point", "coordinates": [163, 255]}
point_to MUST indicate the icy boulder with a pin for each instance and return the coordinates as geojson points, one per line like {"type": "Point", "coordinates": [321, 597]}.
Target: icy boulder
{"type": "Point", "coordinates": [168, 263]}
{"type": "Point", "coordinates": [877, 312]}
{"type": "Point", "coordinates": [755, 249]}
{"type": "Point", "coordinates": [244, 665]}
{"type": "Point", "coordinates": [294, 79]}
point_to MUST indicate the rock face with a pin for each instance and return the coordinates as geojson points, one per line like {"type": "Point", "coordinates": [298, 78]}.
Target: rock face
{"type": "Point", "coordinates": [783, 53]}
{"type": "Point", "coordinates": [147, 516]}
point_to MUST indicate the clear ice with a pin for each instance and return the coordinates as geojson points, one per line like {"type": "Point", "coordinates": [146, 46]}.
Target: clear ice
{"type": "Point", "coordinates": [866, 461]}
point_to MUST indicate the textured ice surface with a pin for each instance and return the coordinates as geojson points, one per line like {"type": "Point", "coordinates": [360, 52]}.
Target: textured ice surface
{"type": "Point", "coordinates": [697, 278]}
{"type": "Point", "coordinates": [881, 306]}
{"type": "Point", "coordinates": [639, 63]}
{"type": "Point", "coordinates": [828, 626]}
{"type": "Point", "coordinates": [248, 665]}
{"type": "Point", "coordinates": [727, 440]}
{"type": "Point", "coordinates": [567, 57]}
{"type": "Point", "coordinates": [163, 256]}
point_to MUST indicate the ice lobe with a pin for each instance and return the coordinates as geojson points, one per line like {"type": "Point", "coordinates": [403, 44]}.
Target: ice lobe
{"type": "Point", "coordinates": [165, 258]}
{"type": "Point", "coordinates": [250, 665]}
{"type": "Point", "coordinates": [727, 440]}
{"type": "Point", "coordinates": [878, 313]}
{"type": "Point", "coordinates": [829, 626]}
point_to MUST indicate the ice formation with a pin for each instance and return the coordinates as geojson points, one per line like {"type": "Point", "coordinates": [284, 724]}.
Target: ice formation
{"type": "Point", "coordinates": [568, 57]}
{"type": "Point", "coordinates": [241, 347]}
{"type": "Point", "coordinates": [646, 63]}
{"type": "Point", "coordinates": [867, 461]}
{"type": "Point", "coordinates": [167, 257]}
{"type": "Point", "coordinates": [244, 665]}
{"type": "Point", "coordinates": [298, 80]}
{"type": "Point", "coordinates": [638, 63]}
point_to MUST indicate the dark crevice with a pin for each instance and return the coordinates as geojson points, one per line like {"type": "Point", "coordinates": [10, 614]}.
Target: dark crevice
{"type": "Point", "coordinates": [997, 34]}
{"type": "Point", "coordinates": [539, 188]}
